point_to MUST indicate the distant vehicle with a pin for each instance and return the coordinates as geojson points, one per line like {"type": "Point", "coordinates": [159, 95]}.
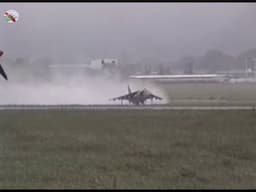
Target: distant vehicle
{"type": "Point", "coordinates": [137, 97]}
{"type": "Point", "coordinates": [2, 72]}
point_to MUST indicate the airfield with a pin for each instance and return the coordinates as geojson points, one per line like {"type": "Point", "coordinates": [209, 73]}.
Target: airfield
{"type": "Point", "coordinates": [195, 141]}
{"type": "Point", "coordinates": [127, 149]}
{"type": "Point", "coordinates": [122, 107]}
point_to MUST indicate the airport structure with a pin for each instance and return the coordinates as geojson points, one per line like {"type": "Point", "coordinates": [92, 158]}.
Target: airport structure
{"type": "Point", "coordinates": [193, 78]}
{"type": "Point", "coordinates": [96, 67]}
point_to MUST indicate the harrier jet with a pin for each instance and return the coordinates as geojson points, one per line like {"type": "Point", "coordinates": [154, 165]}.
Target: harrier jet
{"type": "Point", "coordinates": [2, 72]}
{"type": "Point", "coordinates": [137, 97]}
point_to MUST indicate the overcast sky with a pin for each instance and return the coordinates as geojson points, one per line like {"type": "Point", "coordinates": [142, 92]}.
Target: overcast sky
{"type": "Point", "coordinates": [128, 30]}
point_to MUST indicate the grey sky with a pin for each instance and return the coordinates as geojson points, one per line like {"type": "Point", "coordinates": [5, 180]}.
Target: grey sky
{"type": "Point", "coordinates": [160, 31]}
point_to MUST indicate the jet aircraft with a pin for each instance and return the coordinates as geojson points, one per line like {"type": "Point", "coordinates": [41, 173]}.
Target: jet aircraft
{"type": "Point", "coordinates": [137, 97]}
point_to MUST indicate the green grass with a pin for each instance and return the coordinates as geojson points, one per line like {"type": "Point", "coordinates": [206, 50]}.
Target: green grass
{"type": "Point", "coordinates": [127, 149]}
{"type": "Point", "coordinates": [226, 91]}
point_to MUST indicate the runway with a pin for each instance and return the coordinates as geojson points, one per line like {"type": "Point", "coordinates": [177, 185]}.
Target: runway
{"type": "Point", "coordinates": [121, 107]}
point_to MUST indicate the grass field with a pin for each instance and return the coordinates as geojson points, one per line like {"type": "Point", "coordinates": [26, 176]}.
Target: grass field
{"type": "Point", "coordinates": [127, 149]}
{"type": "Point", "coordinates": [226, 91]}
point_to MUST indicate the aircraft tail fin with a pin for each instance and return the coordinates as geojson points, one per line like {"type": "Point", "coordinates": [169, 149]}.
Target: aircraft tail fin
{"type": "Point", "coordinates": [129, 89]}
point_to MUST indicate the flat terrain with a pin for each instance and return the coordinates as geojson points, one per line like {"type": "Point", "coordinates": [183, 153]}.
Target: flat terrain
{"type": "Point", "coordinates": [221, 91]}
{"type": "Point", "coordinates": [127, 149]}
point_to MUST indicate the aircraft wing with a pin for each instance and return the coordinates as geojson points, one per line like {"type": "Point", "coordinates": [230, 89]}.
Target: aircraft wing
{"type": "Point", "coordinates": [125, 97]}
{"type": "Point", "coordinates": [2, 72]}
{"type": "Point", "coordinates": [155, 97]}
{"type": "Point", "coordinates": [149, 95]}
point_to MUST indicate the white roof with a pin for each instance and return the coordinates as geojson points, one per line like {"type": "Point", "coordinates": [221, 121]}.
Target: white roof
{"type": "Point", "coordinates": [175, 76]}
